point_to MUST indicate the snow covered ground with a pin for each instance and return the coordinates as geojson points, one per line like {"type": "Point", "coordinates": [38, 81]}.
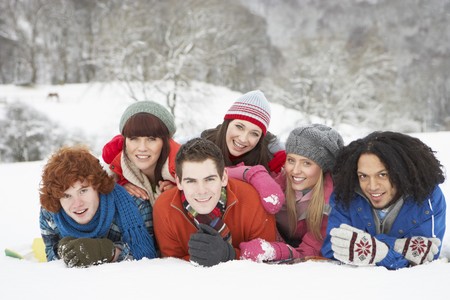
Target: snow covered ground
{"type": "Point", "coordinates": [96, 109]}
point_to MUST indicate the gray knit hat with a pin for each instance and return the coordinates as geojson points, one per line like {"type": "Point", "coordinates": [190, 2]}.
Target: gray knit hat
{"type": "Point", "coordinates": [152, 108]}
{"type": "Point", "coordinates": [317, 142]}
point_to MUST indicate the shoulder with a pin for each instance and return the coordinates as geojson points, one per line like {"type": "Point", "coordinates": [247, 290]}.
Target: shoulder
{"type": "Point", "coordinates": [209, 134]}
{"type": "Point", "coordinates": [164, 200]}
{"type": "Point", "coordinates": [241, 189]}
{"type": "Point", "coordinates": [174, 145]}
{"type": "Point", "coordinates": [437, 199]}
{"type": "Point", "coordinates": [45, 214]}
{"type": "Point", "coordinates": [274, 143]}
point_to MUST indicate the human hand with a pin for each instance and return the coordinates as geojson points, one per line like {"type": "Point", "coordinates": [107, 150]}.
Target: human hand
{"type": "Point", "coordinates": [165, 185]}
{"type": "Point", "coordinates": [356, 247]}
{"type": "Point", "coordinates": [136, 191]}
{"type": "Point", "coordinates": [418, 249]}
{"type": "Point", "coordinates": [271, 194]}
{"type": "Point", "coordinates": [207, 247]}
{"type": "Point", "coordinates": [260, 250]}
{"type": "Point", "coordinates": [62, 244]}
{"type": "Point", "coordinates": [84, 252]}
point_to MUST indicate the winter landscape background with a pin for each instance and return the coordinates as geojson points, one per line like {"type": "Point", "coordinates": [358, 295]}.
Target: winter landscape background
{"type": "Point", "coordinates": [95, 110]}
{"type": "Point", "coordinates": [69, 68]}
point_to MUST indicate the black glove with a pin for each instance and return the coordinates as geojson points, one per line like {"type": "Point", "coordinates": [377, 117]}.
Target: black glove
{"type": "Point", "coordinates": [85, 252]}
{"type": "Point", "coordinates": [61, 245]}
{"type": "Point", "coordinates": [207, 247]}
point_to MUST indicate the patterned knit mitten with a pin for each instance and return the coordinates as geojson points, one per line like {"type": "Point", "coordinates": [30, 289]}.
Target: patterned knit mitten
{"type": "Point", "coordinates": [356, 247]}
{"type": "Point", "coordinates": [418, 249]}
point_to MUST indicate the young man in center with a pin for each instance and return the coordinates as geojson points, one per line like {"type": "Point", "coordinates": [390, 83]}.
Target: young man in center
{"type": "Point", "coordinates": [209, 215]}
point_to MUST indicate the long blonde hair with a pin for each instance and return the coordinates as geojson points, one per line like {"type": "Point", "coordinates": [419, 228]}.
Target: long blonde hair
{"type": "Point", "coordinates": [314, 213]}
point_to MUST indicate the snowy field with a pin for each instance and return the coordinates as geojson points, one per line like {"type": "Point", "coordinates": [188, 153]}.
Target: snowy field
{"type": "Point", "coordinates": [96, 110]}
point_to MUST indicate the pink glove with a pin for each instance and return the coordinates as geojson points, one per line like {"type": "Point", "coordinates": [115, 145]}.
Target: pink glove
{"type": "Point", "coordinates": [260, 250]}
{"type": "Point", "coordinates": [271, 194]}
{"type": "Point", "coordinates": [112, 149]}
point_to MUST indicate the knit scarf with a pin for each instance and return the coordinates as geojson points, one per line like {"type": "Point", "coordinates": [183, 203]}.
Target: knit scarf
{"type": "Point", "coordinates": [214, 218]}
{"type": "Point", "coordinates": [129, 220]}
{"type": "Point", "coordinates": [132, 173]}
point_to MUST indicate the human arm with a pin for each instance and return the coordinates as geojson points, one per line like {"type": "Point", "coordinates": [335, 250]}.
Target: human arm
{"type": "Point", "coordinates": [136, 191]}
{"type": "Point", "coordinates": [165, 185]}
{"type": "Point", "coordinates": [207, 247]}
{"type": "Point", "coordinates": [270, 193]}
{"type": "Point", "coordinates": [417, 249]}
{"type": "Point", "coordinates": [311, 245]}
{"type": "Point", "coordinates": [260, 224]}
{"type": "Point", "coordinates": [112, 148]}
{"type": "Point", "coordinates": [338, 216]}
{"type": "Point", "coordinates": [172, 228]}
{"type": "Point", "coordinates": [260, 250]}
{"type": "Point", "coordinates": [420, 240]}
{"type": "Point", "coordinates": [277, 162]}
{"type": "Point", "coordinates": [85, 252]}
{"type": "Point", "coordinates": [50, 234]}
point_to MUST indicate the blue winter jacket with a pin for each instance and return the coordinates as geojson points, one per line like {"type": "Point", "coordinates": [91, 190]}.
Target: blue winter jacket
{"type": "Point", "coordinates": [427, 220]}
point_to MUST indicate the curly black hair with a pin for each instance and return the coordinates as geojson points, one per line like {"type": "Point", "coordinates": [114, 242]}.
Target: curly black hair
{"type": "Point", "coordinates": [413, 168]}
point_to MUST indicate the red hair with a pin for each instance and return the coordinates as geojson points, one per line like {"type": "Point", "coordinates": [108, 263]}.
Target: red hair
{"type": "Point", "coordinates": [67, 166]}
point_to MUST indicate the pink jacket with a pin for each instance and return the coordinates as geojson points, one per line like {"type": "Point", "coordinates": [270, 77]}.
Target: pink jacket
{"type": "Point", "coordinates": [309, 245]}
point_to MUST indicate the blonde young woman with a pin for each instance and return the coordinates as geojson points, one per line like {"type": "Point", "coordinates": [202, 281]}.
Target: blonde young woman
{"type": "Point", "coordinates": [306, 179]}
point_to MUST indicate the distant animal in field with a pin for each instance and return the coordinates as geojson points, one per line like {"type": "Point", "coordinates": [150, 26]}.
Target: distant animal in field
{"type": "Point", "coordinates": [53, 97]}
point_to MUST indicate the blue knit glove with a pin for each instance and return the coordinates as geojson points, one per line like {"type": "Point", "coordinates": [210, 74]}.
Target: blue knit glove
{"type": "Point", "coordinates": [418, 249]}
{"type": "Point", "coordinates": [356, 247]}
{"type": "Point", "coordinates": [207, 247]}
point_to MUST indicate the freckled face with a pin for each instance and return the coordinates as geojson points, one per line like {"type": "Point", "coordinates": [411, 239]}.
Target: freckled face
{"type": "Point", "coordinates": [374, 181]}
{"type": "Point", "coordinates": [202, 185]}
{"type": "Point", "coordinates": [301, 172]}
{"type": "Point", "coordinates": [80, 202]}
{"type": "Point", "coordinates": [242, 136]}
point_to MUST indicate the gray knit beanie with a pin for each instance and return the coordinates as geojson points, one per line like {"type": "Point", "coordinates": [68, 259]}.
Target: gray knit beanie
{"type": "Point", "coordinates": [317, 142]}
{"type": "Point", "coordinates": [152, 108]}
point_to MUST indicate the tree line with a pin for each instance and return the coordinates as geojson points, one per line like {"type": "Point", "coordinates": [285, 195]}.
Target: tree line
{"type": "Point", "coordinates": [377, 64]}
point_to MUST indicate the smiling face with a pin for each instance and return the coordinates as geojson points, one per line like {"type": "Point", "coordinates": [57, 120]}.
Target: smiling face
{"type": "Point", "coordinates": [301, 172]}
{"type": "Point", "coordinates": [201, 184]}
{"type": "Point", "coordinates": [144, 152]}
{"type": "Point", "coordinates": [374, 181]}
{"type": "Point", "coordinates": [242, 136]}
{"type": "Point", "coordinates": [80, 202]}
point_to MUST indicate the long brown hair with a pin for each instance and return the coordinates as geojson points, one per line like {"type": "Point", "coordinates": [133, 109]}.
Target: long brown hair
{"type": "Point", "coordinates": [145, 124]}
{"type": "Point", "coordinates": [315, 208]}
{"type": "Point", "coordinates": [260, 155]}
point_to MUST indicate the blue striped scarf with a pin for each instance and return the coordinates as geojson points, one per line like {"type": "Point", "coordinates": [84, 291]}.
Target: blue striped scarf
{"type": "Point", "coordinates": [130, 222]}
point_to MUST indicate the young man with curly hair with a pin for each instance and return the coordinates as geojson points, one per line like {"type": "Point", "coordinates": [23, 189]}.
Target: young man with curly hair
{"type": "Point", "coordinates": [387, 207]}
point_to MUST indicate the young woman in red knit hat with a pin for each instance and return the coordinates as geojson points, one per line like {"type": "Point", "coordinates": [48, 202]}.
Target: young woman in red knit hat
{"type": "Point", "coordinates": [245, 142]}
{"type": "Point", "coordinates": [243, 136]}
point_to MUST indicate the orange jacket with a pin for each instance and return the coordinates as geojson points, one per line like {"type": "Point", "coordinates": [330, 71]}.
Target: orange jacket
{"type": "Point", "coordinates": [244, 216]}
